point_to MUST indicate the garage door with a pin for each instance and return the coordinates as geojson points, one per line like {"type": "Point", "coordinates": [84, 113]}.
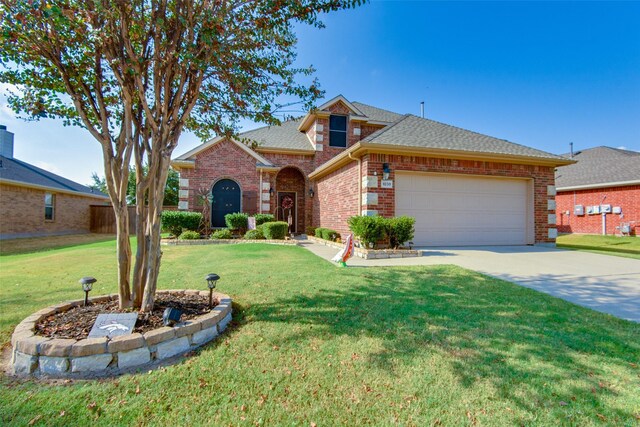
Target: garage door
{"type": "Point", "coordinates": [455, 210]}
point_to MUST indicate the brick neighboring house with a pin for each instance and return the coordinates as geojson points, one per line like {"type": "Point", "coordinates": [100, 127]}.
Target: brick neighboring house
{"type": "Point", "coordinates": [602, 177]}
{"type": "Point", "coordinates": [34, 202]}
{"type": "Point", "coordinates": [348, 158]}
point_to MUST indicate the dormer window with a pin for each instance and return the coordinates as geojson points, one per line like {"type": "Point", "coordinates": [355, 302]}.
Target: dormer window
{"type": "Point", "coordinates": [338, 131]}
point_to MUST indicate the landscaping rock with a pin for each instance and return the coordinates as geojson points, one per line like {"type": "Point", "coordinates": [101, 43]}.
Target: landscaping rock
{"type": "Point", "coordinates": [31, 345]}
{"type": "Point", "coordinates": [223, 308]}
{"type": "Point", "coordinates": [224, 322]}
{"type": "Point", "coordinates": [53, 365]}
{"type": "Point", "coordinates": [89, 346]}
{"type": "Point", "coordinates": [24, 363]}
{"type": "Point", "coordinates": [159, 335]}
{"type": "Point", "coordinates": [187, 328]}
{"type": "Point", "coordinates": [125, 343]}
{"type": "Point", "coordinates": [128, 359]}
{"type": "Point", "coordinates": [173, 347]}
{"type": "Point", "coordinates": [57, 347]}
{"type": "Point", "coordinates": [20, 335]}
{"type": "Point", "coordinates": [211, 319]}
{"type": "Point", "coordinates": [97, 362]}
{"type": "Point", "coordinates": [204, 336]}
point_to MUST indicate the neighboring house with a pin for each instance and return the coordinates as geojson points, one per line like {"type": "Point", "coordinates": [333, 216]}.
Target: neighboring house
{"type": "Point", "coordinates": [603, 178]}
{"type": "Point", "coordinates": [348, 158]}
{"type": "Point", "coordinates": [34, 202]}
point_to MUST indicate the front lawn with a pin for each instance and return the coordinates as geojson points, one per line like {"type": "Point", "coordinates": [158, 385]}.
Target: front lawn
{"type": "Point", "coordinates": [628, 246]}
{"type": "Point", "coordinates": [315, 344]}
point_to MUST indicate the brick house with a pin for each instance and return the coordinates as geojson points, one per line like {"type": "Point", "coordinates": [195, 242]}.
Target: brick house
{"type": "Point", "coordinates": [348, 158]}
{"type": "Point", "coordinates": [35, 202]}
{"type": "Point", "coordinates": [604, 180]}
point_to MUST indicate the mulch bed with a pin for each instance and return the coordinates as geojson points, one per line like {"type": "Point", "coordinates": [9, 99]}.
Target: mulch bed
{"type": "Point", "coordinates": [78, 321]}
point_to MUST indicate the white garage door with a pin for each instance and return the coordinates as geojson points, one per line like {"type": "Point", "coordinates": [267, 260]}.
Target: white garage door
{"type": "Point", "coordinates": [455, 210]}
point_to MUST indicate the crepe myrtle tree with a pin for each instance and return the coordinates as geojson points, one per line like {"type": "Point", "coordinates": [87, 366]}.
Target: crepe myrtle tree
{"type": "Point", "coordinates": [136, 73]}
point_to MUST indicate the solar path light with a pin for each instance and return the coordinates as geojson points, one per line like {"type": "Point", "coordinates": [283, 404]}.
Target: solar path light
{"type": "Point", "coordinates": [87, 285]}
{"type": "Point", "coordinates": [211, 278]}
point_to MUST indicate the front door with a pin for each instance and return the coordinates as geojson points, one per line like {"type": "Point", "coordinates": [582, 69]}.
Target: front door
{"type": "Point", "coordinates": [286, 210]}
{"type": "Point", "coordinates": [226, 199]}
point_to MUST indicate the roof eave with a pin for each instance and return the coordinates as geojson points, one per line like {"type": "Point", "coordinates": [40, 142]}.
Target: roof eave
{"type": "Point", "coordinates": [275, 150]}
{"type": "Point", "coordinates": [599, 185]}
{"type": "Point", "coordinates": [52, 189]}
{"type": "Point", "coordinates": [183, 164]}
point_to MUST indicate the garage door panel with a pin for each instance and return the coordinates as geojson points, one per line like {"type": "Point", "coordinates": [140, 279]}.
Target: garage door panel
{"type": "Point", "coordinates": [454, 210]}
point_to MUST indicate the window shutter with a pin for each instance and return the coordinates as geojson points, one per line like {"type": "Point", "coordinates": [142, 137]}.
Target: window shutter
{"type": "Point", "coordinates": [250, 202]}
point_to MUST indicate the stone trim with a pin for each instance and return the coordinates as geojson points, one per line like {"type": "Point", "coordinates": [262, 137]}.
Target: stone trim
{"type": "Point", "coordinates": [36, 355]}
{"type": "Point", "coordinates": [371, 253]}
{"type": "Point", "coordinates": [176, 242]}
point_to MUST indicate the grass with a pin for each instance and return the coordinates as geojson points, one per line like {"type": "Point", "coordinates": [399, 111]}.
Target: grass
{"type": "Point", "coordinates": [39, 244]}
{"type": "Point", "coordinates": [311, 343]}
{"type": "Point", "coordinates": [628, 247]}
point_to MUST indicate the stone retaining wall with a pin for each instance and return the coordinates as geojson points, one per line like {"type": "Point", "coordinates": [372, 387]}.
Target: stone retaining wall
{"type": "Point", "coordinates": [36, 355]}
{"type": "Point", "coordinates": [176, 242]}
{"type": "Point", "coordinates": [371, 253]}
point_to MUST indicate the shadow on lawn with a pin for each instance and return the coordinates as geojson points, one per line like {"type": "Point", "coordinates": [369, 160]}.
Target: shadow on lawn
{"type": "Point", "coordinates": [528, 346]}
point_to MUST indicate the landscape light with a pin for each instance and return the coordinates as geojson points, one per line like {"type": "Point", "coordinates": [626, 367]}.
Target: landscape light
{"type": "Point", "coordinates": [87, 285]}
{"type": "Point", "coordinates": [211, 279]}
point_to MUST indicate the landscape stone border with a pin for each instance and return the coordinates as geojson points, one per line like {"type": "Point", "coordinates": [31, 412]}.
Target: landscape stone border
{"type": "Point", "coordinates": [371, 253]}
{"type": "Point", "coordinates": [177, 242]}
{"type": "Point", "coordinates": [36, 355]}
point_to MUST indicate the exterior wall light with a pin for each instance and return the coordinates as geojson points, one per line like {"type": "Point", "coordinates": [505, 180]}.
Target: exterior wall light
{"type": "Point", "coordinates": [386, 170]}
{"type": "Point", "coordinates": [211, 279]}
{"type": "Point", "coordinates": [311, 192]}
{"type": "Point", "coordinates": [87, 285]}
{"type": "Point", "coordinates": [271, 191]}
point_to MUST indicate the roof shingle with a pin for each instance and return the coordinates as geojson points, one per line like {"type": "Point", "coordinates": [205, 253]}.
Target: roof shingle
{"type": "Point", "coordinates": [599, 165]}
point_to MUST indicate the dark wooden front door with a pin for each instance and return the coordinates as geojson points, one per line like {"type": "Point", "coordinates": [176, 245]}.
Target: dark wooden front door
{"type": "Point", "coordinates": [226, 200]}
{"type": "Point", "coordinates": [287, 206]}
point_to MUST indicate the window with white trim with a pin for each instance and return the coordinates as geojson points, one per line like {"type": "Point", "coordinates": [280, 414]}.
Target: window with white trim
{"type": "Point", "coordinates": [338, 131]}
{"type": "Point", "coordinates": [49, 200]}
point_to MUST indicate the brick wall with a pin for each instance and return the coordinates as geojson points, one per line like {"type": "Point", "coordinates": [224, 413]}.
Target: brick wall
{"type": "Point", "coordinates": [22, 212]}
{"type": "Point", "coordinates": [627, 198]}
{"type": "Point", "coordinates": [543, 176]}
{"type": "Point", "coordinates": [337, 198]}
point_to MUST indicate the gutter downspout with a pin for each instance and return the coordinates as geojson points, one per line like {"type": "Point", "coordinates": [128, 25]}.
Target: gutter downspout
{"type": "Point", "coordinates": [359, 160]}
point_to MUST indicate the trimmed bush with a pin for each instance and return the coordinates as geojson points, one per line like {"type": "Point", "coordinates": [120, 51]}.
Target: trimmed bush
{"type": "Point", "coordinates": [399, 230]}
{"type": "Point", "coordinates": [189, 235]}
{"type": "Point", "coordinates": [224, 233]}
{"type": "Point", "coordinates": [237, 221]}
{"type": "Point", "coordinates": [275, 230]}
{"type": "Point", "coordinates": [318, 232]}
{"type": "Point", "coordinates": [176, 221]}
{"type": "Point", "coordinates": [256, 234]}
{"type": "Point", "coordinates": [369, 229]}
{"type": "Point", "coordinates": [329, 234]}
{"type": "Point", "coordinates": [310, 231]}
{"type": "Point", "coordinates": [263, 218]}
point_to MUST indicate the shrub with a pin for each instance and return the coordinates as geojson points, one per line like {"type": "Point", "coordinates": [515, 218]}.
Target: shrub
{"type": "Point", "coordinates": [175, 221]}
{"type": "Point", "coordinates": [262, 218]}
{"type": "Point", "coordinates": [256, 234]}
{"type": "Point", "coordinates": [189, 235]}
{"type": "Point", "coordinates": [310, 231]}
{"type": "Point", "coordinates": [224, 233]}
{"type": "Point", "coordinates": [369, 229]}
{"type": "Point", "coordinates": [329, 234]}
{"type": "Point", "coordinates": [236, 221]}
{"type": "Point", "coordinates": [318, 232]}
{"type": "Point", "coordinates": [275, 230]}
{"type": "Point", "coordinates": [399, 230]}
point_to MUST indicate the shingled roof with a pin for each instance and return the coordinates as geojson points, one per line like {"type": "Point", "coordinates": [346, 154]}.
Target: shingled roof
{"type": "Point", "coordinates": [16, 171]}
{"type": "Point", "coordinates": [600, 166]}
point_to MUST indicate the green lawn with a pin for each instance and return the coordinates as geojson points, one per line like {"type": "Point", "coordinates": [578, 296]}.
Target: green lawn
{"type": "Point", "coordinates": [628, 247]}
{"type": "Point", "coordinates": [312, 343]}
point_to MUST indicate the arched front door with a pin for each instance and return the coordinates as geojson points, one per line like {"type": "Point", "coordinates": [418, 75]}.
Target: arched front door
{"type": "Point", "coordinates": [226, 199]}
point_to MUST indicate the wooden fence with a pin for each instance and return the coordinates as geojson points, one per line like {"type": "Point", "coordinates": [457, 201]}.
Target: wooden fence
{"type": "Point", "coordinates": [103, 220]}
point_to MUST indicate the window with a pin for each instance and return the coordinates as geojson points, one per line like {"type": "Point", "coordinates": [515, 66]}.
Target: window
{"type": "Point", "coordinates": [48, 206]}
{"type": "Point", "coordinates": [338, 131]}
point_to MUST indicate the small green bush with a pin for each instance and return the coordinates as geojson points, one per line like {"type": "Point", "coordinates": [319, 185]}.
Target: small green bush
{"type": "Point", "coordinates": [176, 221]}
{"type": "Point", "coordinates": [224, 233]}
{"type": "Point", "coordinates": [329, 234]}
{"type": "Point", "coordinates": [318, 232]}
{"type": "Point", "coordinates": [237, 221]}
{"type": "Point", "coordinates": [189, 235]}
{"type": "Point", "coordinates": [256, 234]}
{"type": "Point", "coordinates": [263, 218]}
{"type": "Point", "coordinates": [399, 230]}
{"type": "Point", "coordinates": [310, 231]}
{"type": "Point", "coordinates": [369, 229]}
{"type": "Point", "coordinates": [275, 230]}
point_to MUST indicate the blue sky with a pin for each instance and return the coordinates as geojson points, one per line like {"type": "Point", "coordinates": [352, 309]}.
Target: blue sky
{"type": "Point", "coordinates": [542, 74]}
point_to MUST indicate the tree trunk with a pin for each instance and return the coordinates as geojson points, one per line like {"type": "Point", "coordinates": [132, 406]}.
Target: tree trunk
{"type": "Point", "coordinates": [124, 255]}
{"type": "Point", "coordinates": [139, 270]}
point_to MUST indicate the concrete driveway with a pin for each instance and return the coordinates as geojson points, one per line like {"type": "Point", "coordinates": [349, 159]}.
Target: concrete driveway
{"type": "Point", "coordinates": [602, 282]}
